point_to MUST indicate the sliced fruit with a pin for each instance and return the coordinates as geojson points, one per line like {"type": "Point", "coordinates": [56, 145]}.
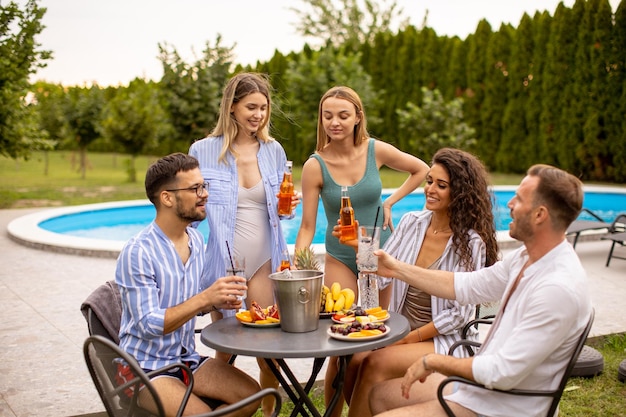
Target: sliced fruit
{"type": "Point", "coordinates": [357, 334]}
{"type": "Point", "coordinates": [271, 319]}
{"type": "Point", "coordinates": [347, 319]}
{"type": "Point", "coordinates": [373, 310]}
{"type": "Point", "coordinates": [363, 319]}
{"type": "Point", "coordinates": [264, 321]}
{"type": "Point", "coordinates": [372, 332]}
{"type": "Point", "coordinates": [381, 314]}
{"type": "Point", "coordinates": [244, 316]}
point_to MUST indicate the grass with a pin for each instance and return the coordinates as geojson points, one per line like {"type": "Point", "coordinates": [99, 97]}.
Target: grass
{"type": "Point", "coordinates": [26, 183]}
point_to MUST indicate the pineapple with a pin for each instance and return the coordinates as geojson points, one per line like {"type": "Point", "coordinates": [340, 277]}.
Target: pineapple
{"type": "Point", "coordinates": [305, 259]}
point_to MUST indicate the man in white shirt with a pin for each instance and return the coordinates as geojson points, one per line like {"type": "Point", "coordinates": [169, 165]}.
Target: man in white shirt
{"type": "Point", "coordinates": [544, 307]}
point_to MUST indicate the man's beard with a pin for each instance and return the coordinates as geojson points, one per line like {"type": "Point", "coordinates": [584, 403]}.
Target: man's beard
{"type": "Point", "coordinates": [191, 214]}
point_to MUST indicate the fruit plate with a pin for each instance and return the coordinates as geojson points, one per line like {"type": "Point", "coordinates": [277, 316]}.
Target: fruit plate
{"type": "Point", "coordinates": [356, 339]}
{"type": "Point", "coordinates": [382, 320]}
{"type": "Point", "coordinates": [260, 325]}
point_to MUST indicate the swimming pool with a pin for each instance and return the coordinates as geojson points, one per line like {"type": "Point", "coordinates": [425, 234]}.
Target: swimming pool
{"type": "Point", "coordinates": [124, 219]}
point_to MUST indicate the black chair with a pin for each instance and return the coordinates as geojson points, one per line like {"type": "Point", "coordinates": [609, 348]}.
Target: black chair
{"type": "Point", "coordinates": [579, 226]}
{"type": "Point", "coordinates": [102, 356]}
{"type": "Point", "coordinates": [617, 234]}
{"type": "Point", "coordinates": [554, 394]}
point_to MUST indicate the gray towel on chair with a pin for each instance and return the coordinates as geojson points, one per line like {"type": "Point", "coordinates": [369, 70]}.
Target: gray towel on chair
{"type": "Point", "coordinates": [106, 303]}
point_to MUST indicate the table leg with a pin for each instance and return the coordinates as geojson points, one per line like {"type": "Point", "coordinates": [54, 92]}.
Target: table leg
{"type": "Point", "coordinates": [338, 382]}
{"type": "Point", "coordinates": [300, 397]}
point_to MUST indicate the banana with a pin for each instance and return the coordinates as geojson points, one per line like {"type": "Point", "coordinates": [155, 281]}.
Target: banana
{"type": "Point", "coordinates": [335, 290]}
{"type": "Point", "coordinates": [340, 303]}
{"type": "Point", "coordinates": [325, 289]}
{"type": "Point", "coordinates": [330, 303]}
{"type": "Point", "coordinates": [350, 296]}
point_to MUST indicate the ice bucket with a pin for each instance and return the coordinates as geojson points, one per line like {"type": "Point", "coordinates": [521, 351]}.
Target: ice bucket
{"type": "Point", "coordinates": [297, 294]}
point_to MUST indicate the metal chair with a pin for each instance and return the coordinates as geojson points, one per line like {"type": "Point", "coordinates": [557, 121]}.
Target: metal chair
{"type": "Point", "coordinates": [102, 356]}
{"type": "Point", "coordinates": [554, 394]}
{"type": "Point", "coordinates": [617, 234]}
{"type": "Point", "coordinates": [579, 226]}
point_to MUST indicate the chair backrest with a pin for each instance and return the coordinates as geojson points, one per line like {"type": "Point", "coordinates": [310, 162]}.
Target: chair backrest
{"type": "Point", "coordinates": [102, 357]}
{"type": "Point", "coordinates": [570, 365]}
{"type": "Point", "coordinates": [103, 311]}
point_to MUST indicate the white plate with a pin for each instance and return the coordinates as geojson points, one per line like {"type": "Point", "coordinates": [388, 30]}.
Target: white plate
{"type": "Point", "coordinates": [245, 323]}
{"type": "Point", "coordinates": [356, 339]}
{"type": "Point", "coordinates": [384, 319]}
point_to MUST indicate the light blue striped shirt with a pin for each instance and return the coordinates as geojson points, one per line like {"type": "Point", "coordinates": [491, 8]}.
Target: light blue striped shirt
{"type": "Point", "coordinates": [221, 206]}
{"type": "Point", "coordinates": [151, 277]}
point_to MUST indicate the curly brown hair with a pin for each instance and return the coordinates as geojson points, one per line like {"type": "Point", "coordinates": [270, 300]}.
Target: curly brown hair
{"type": "Point", "coordinates": [470, 203]}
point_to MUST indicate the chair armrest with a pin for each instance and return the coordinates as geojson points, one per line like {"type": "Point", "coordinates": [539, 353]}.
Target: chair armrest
{"type": "Point", "coordinates": [592, 214]}
{"type": "Point", "coordinates": [476, 322]}
{"type": "Point", "coordinates": [467, 344]}
{"type": "Point", "coordinates": [246, 401]}
{"type": "Point", "coordinates": [189, 389]}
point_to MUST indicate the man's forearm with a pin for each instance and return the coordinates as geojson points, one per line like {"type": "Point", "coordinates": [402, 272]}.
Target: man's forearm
{"type": "Point", "coordinates": [449, 365]}
{"type": "Point", "coordinates": [433, 282]}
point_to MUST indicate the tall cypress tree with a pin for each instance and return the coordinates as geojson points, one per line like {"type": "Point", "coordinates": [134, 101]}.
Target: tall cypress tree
{"type": "Point", "coordinates": [516, 150]}
{"type": "Point", "coordinates": [498, 56]}
{"type": "Point", "coordinates": [593, 150]}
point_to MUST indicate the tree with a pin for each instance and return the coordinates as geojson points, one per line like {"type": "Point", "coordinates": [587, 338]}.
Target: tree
{"type": "Point", "coordinates": [307, 80]}
{"type": "Point", "coordinates": [192, 92]}
{"type": "Point", "coordinates": [134, 119]}
{"type": "Point", "coordinates": [436, 124]}
{"type": "Point", "coordinates": [83, 114]}
{"type": "Point", "coordinates": [349, 24]}
{"type": "Point", "coordinates": [20, 57]}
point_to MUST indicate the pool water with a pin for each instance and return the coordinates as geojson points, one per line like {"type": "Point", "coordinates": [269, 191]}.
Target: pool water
{"type": "Point", "coordinates": [121, 223]}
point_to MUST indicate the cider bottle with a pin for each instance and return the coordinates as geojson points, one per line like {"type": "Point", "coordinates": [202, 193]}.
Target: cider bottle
{"type": "Point", "coordinates": [346, 214]}
{"type": "Point", "coordinates": [286, 191]}
{"type": "Point", "coordinates": [284, 262]}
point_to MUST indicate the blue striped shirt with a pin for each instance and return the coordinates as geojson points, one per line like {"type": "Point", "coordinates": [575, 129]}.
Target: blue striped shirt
{"type": "Point", "coordinates": [221, 206]}
{"type": "Point", "coordinates": [152, 277]}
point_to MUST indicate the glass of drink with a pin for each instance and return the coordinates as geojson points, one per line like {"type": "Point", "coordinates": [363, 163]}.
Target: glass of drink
{"type": "Point", "coordinates": [368, 242]}
{"type": "Point", "coordinates": [236, 265]}
{"type": "Point", "coordinates": [368, 290]}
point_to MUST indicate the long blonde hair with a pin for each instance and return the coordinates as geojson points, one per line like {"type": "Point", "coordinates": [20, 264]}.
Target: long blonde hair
{"type": "Point", "coordinates": [236, 89]}
{"type": "Point", "coordinates": [360, 129]}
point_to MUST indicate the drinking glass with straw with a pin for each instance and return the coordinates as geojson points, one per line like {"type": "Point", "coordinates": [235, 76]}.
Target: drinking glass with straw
{"type": "Point", "coordinates": [236, 265]}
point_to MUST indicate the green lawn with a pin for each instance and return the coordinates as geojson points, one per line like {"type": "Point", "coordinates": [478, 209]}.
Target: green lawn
{"type": "Point", "coordinates": [28, 184]}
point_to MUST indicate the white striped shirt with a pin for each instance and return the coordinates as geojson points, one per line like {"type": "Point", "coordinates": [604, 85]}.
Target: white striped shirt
{"type": "Point", "coordinates": [449, 316]}
{"type": "Point", "coordinates": [152, 278]}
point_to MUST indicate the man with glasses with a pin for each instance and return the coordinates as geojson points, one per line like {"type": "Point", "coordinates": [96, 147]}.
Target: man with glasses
{"type": "Point", "coordinates": [158, 273]}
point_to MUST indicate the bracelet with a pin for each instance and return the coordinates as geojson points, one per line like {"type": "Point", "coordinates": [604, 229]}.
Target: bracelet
{"type": "Point", "coordinates": [419, 334]}
{"type": "Point", "coordinates": [424, 363]}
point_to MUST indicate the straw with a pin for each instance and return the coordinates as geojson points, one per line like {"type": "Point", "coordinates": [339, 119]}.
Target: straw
{"type": "Point", "coordinates": [375, 221]}
{"type": "Point", "coordinates": [232, 264]}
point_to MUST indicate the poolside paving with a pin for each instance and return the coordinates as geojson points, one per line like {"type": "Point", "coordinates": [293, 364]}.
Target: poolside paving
{"type": "Point", "coordinates": [42, 371]}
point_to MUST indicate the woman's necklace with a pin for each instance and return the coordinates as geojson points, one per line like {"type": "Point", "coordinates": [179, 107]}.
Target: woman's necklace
{"type": "Point", "coordinates": [435, 231]}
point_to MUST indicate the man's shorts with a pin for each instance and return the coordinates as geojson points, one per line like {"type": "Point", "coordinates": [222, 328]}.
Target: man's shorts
{"type": "Point", "coordinates": [125, 374]}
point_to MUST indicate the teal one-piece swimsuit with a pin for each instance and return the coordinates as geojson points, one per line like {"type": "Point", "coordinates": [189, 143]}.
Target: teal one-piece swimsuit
{"type": "Point", "coordinates": [366, 200]}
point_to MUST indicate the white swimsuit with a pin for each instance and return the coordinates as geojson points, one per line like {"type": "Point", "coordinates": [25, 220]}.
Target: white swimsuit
{"type": "Point", "coordinates": [252, 228]}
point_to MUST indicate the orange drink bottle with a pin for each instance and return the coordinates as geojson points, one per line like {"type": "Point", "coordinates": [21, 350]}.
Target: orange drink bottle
{"type": "Point", "coordinates": [346, 214]}
{"type": "Point", "coordinates": [284, 264]}
{"type": "Point", "coordinates": [286, 191]}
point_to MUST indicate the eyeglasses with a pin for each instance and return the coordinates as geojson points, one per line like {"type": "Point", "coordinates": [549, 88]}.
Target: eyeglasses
{"type": "Point", "coordinates": [198, 189]}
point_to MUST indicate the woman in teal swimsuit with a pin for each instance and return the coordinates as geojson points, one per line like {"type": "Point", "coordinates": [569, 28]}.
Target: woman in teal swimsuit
{"type": "Point", "coordinates": [346, 155]}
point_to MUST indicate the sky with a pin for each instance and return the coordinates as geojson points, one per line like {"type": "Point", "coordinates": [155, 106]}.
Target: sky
{"type": "Point", "coordinates": [112, 42]}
